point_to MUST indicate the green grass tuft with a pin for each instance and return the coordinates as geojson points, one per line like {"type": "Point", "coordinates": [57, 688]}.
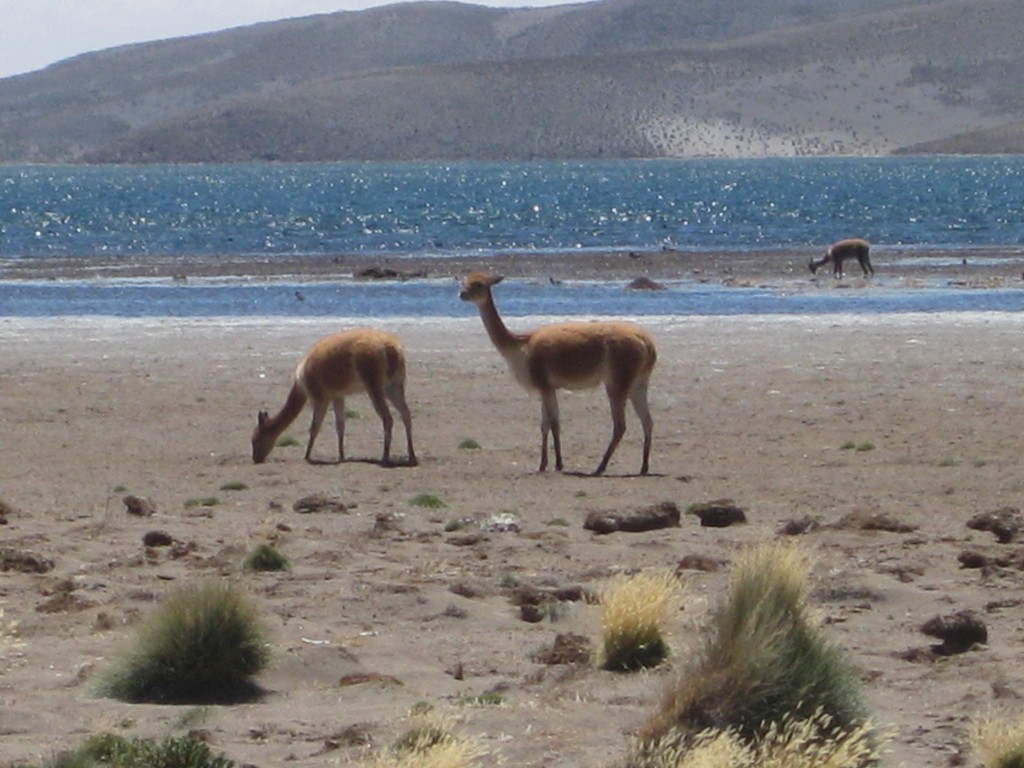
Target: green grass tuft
{"type": "Point", "coordinates": [428, 500]}
{"type": "Point", "coordinates": [202, 645]}
{"type": "Point", "coordinates": [289, 442]}
{"type": "Point", "coordinates": [206, 501]}
{"type": "Point", "coordinates": [112, 751]}
{"type": "Point", "coordinates": [766, 663]}
{"type": "Point", "coordinates": [234, 485]}
{"type": "Point", "coordinates": [265, 558]}
{"type": "Point", "coordinates": [469, 444]}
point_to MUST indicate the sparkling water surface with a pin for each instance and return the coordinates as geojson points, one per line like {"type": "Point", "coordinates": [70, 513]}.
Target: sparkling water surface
{"type": "Point", "coordinates": [469, 209]}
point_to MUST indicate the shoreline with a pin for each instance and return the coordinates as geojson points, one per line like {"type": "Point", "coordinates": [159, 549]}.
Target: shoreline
{"type": "Point", "coordinates": [997, 265]}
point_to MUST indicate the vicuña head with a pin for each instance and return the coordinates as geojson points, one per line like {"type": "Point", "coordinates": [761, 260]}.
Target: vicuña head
{"type": "Point", "coordinates": [362, 360]}
{"type": "Point", "coordinates": [573, 356]}
{"type": "Point", "coordinates": [854, 248]}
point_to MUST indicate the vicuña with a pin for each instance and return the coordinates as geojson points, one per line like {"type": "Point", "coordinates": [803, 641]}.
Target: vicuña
{"type": "Point", "coordinates": [573, 356]}
{"type": "Point", "coordinates": [347, 363]}
{"type": "Point", "coordinates": [854, 248]}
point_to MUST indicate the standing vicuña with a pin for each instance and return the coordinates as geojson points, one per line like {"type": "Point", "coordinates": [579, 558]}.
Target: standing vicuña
{"type": "Point", "coordinates": [362, 360]}
{"type": "Point", "coordinates": [573, 356]}
{"type": "Point", "coordinates": [854, 248]}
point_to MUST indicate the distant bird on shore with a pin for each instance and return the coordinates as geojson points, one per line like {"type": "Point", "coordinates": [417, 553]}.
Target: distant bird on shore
{"type": "Point", "coordinates": [300, 296]}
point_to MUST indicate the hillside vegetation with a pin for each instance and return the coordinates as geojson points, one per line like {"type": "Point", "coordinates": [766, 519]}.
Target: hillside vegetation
{"type": "Point", "coordinates": [614, 78]}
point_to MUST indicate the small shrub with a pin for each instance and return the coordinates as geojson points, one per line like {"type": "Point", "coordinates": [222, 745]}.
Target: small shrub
{"type": "Point", "coordinates": [455, 525]}
{"type": "Point", "coordinates": [469, 444]}
{"type": "Point", "coordinates": [117, 752]}
{"type": "Point", "coordinates": [201, 645]}
{"type": "Point", "coordinates": [559, 521]}
{"type": "Point", "coordinates": [428, 501]}
{"type": "Point", "coordinates": [634, 612]}
{"type": "Point", "coordinates": [265, 558]}
{"type": "Point", "coordinates": [999, 742]}
{"type": "Point", "coordinates": [863, 447]}
{"type": "Point", "coordinates": [488, 699]}
{"type": "Point", "coordinates": [947, 463]}
{"type": "Point", "coordinates": [289, 442]}
{"type": "Point", "coordinates": [849, 445]}
{"type": "Point", "coordinates": [234, 485]}
{"type": "Point", "coordinates": [351, 413]}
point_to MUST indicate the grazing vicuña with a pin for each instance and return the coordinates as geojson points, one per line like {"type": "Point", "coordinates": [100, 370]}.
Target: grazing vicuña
{"type": "Point", "coordinates": [361, 360]}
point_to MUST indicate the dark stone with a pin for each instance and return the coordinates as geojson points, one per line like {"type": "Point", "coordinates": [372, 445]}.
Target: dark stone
{"type": "Point", "coordinates": [157, 539]}
{"type": "Point", "coordinates": [24, 562]}
{"type": "Point", "coordinates": [969, 559]}
{"type": "Point", "coordinates": [532, 614]}
{"type": "Point", "coordinates": [6, 511]}
{"type": "Point", "coordinates": [387, 273]}
{"type": "Point", "coordinates": [801, 526]}
{"type": "Point", "coordinates": [1004, 523]}
{"type": "Point", "coordinates": [664, 515]}
{"type": "Point", "coordinates": [718, 514]}
{"type": "Point", "coordinates": [959, 632]}
{"type": "Point", "coordinates": [568, 648]}
{"type": "Point", "coordinates": [699, 563]}
{"type": "Point", "coordinates": [136, 505]}
{"type": "Point", "coordinates": [645, 284]}
{"type": "Point", "coordinates": [874, 521]}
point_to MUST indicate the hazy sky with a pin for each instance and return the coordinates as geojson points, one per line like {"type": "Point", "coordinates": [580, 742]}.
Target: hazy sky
{"type": "Point", "coordinates": [35, 33]}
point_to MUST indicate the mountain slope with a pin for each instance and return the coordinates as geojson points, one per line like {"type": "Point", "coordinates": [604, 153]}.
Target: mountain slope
{"type": "Point", "coordinates": [618, 78]}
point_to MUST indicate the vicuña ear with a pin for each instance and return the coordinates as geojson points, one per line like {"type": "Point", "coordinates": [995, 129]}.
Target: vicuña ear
{"type": "Point", "coordinates": [495, 279]}
{"type": "Point", "coordinates": [262, 417]}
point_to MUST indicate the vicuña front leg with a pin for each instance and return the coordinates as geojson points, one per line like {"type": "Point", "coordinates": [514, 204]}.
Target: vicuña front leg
{"type": "Point", "coordinates": [339, 425]}
{"type": "Point", "coordinates": [549, 423]}
{"type": "Point", "coordinates": [617, 402]}
{"type": "Point", "coordinates": [319, 412]}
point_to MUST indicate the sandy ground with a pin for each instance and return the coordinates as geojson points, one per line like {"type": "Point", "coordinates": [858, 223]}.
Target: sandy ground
{"type": "Point", "coordinates": [753, 409]}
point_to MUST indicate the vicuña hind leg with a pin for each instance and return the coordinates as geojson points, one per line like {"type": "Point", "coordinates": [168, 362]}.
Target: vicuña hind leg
{"type": "Point", "coordinates": [396, 394]}
{"type": "Point", "coordinates": [643, 411]}
{"type": "Point", "coordinates": [380, 405]}
{"type": "Point", "coordinates": [617, 402]}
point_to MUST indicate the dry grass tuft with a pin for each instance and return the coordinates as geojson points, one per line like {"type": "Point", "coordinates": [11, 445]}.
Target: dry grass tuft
{"type": "Point", "coordinates": [999, 742]}
{"type": "Point", "coordinates": [635, 610]}
{"type": "Point", "coordinates": [810, 743]}
{"type": "Point", "coordinates": [433, 745]}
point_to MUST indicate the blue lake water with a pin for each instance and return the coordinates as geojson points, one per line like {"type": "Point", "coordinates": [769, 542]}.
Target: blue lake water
{"type": "Point", "coordinates": [469, 209]}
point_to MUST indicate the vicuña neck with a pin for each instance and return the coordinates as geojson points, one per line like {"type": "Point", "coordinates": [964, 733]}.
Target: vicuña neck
{"type": "Point", "coordinates": [280, 421]}
{"type": "Point", "coordinates": [507, 342]}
